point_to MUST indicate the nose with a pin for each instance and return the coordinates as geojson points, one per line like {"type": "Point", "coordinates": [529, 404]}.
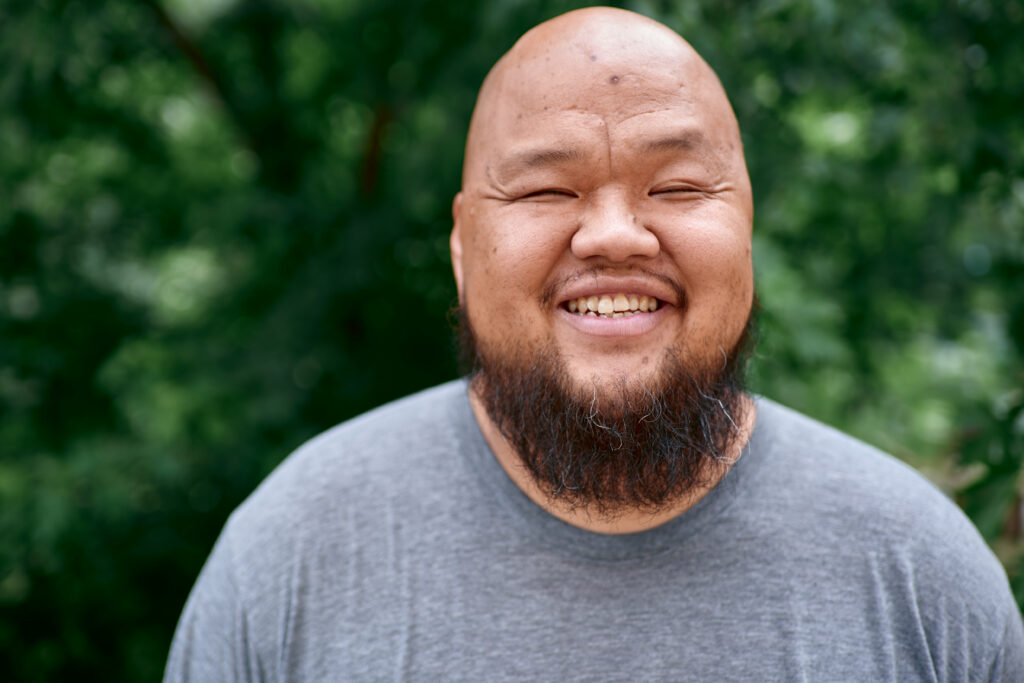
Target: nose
{"type": "Point", "coordinates": [609, 229]}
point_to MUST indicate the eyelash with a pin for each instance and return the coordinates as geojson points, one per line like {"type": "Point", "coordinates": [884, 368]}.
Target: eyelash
{"type": "Point", "coordinates": [555, 192]}
{"type": "Point", "coordinates": [548, 191]}
{"type": "Point", "coordinates": [672, 190]}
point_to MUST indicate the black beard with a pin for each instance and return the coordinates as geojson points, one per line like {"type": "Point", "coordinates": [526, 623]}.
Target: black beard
{"type": "Point", "coordinates": [632, 447]}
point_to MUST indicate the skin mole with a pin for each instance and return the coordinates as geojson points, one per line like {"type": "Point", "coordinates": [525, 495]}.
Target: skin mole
{"type": "Point", "coordinates": [613, 80]}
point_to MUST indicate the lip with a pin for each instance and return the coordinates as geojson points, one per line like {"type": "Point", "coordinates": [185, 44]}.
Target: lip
{"type": "Point", "coordinates": [658, 287]}
{"type": "Point", "coordinates": [633, 326]}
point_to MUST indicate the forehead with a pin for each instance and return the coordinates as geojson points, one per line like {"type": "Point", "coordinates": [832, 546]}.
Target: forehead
{"type": "Point", "coordinates": [579, 91]}
{"type": "Point", "coordinates": [575, 114]}
{"type": "Point", "coordinates": [585, 82]}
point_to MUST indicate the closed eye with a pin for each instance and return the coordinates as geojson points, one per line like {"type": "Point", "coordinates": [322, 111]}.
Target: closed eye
{"type": "Point", "coordinates": [676, 190]}
{"type": "Point", "coordinates": [549, 193]}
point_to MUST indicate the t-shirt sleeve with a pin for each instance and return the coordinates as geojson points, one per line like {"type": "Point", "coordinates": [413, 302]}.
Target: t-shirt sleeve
{"type": "Point", "coordinates": [212, 642]}
{"type": "Point", "coordinates": [1009, 664]}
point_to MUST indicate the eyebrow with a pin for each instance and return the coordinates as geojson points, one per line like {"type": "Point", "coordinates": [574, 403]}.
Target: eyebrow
{"type": "Point", "coordinates": [527, 159]}
{"type": "Point", "coordinates": [683, 142]}
{"type": "Point", "coordinates": [539, 157]}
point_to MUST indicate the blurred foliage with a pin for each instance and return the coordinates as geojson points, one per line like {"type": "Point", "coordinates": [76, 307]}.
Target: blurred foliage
{"type": "Point", "coordinates": [223, 228]}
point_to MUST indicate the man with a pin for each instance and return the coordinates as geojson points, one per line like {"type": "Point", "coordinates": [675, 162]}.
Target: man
{"type": "Point", "coordinates": [600, 500]}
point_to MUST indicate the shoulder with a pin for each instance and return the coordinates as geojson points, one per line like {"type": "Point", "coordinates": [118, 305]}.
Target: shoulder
{"type": "Point", "coordinates": [384, 442]}
{"type": "Point", "coordinates": [874, 511]}
{"type": "Point", "coordinates": [858, 483]}
{"type": "Point", "coordinates": [817, 455]}
{"type": "Point", "coordinates": [421, 419]}
{"type": "Point", "coordinates": [872, 495]}
{"type": "Point", "coordinates": [345, 477]}
{"type": "Point", "coordinates": [336, 503]}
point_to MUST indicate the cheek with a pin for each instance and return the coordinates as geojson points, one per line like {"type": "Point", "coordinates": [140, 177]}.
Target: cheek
{"type": "Point", "coordinates": [712, 251]}
{"type": "Point", "coordinates": [516, 251]}
{"type": "Point", "coordinates": [711, 246]}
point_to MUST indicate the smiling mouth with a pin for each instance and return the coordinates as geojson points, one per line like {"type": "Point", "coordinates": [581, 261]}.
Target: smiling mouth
{"type": "Point", "coordinates": [612, 305]}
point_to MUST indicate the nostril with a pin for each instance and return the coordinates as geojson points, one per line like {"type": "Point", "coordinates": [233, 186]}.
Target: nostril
{"type": "Point", "coordinates": [616, 241]}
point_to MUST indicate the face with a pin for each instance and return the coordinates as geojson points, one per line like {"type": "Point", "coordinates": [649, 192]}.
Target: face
{"type": "Point", "coordinates": [604, 169]}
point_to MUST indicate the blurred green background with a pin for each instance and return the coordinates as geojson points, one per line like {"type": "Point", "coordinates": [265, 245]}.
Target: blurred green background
{"type": "Point", "coordinates": [223, 228]}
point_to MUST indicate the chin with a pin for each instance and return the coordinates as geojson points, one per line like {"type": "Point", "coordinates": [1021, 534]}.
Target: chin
{"type": "Point", "coordinates": [609, 381]}
{"type": "Point", "coordinates": [611, 438]}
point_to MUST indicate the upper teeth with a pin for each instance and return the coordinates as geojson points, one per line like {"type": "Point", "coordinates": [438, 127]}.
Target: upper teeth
{"type": "Point", "coordinates": [612, 305]}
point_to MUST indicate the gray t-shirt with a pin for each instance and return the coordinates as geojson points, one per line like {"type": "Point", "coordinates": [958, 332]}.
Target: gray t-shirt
{"type": "Point", "coordinates": [394, 547]}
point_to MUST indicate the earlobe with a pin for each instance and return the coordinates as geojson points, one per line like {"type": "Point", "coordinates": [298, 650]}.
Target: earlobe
{"type": "Point", "coordinates": [455, 244]}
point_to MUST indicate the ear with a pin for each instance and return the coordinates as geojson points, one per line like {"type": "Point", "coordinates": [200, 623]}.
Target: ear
{"type": "Point", "coordinates": [455, 244]}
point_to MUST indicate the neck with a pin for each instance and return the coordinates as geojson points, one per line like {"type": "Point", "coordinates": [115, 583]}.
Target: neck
{"type": "Point", "coordinates": [623, 521]}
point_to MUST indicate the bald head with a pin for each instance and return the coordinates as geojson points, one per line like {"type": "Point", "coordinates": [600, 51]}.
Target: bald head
{"type": "Point", "coordinates": [602, 59]}
{"type": "Point", "coordinates": [602, 144]}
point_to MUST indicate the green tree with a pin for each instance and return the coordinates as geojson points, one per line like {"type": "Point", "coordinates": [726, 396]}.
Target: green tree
{"type": "Point", "coordinates": [223, 228]}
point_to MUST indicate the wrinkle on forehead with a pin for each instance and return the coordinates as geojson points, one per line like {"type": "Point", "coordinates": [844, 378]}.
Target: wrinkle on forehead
{"type": "Point", "coordinates": [644, 113]}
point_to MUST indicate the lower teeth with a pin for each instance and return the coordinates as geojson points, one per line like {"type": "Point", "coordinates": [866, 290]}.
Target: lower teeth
{"type": "Point", "coordinates": [625, 314]}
